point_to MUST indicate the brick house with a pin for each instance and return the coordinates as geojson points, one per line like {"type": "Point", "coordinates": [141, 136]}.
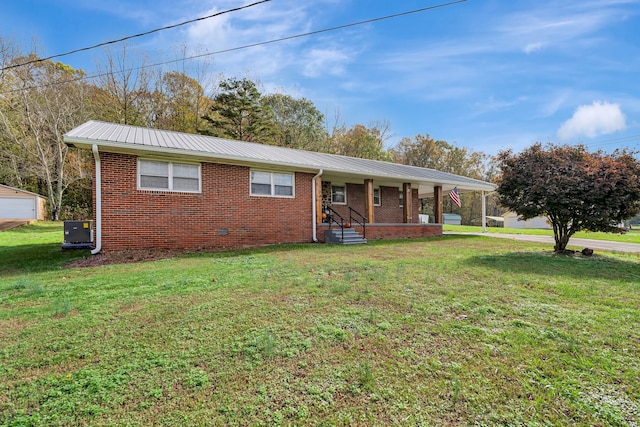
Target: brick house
{"type": "Point", "coordinates": [160, 189]}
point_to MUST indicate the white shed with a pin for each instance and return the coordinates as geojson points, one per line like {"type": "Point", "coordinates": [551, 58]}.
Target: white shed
{"type": "Point", "coordinates": [511, 221]}
{"type": "Point", "coordinates": [451, 219]}
{"type": "Point", "coordinates": [21, 204]}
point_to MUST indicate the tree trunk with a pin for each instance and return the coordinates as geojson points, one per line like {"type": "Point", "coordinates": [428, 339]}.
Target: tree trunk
{"type": "Point", "coordinates": [562, 234]}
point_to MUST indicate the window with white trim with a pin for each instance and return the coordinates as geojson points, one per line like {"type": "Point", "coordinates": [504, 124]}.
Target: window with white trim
{"type": "Point", "coordinates": [339, 194]}
{"type": "Point", "coordinates": [168, 176]}
{"type": "Point", "coordinates": [272, 184]}
{"type": "Point", "coordinates": [376, 197]}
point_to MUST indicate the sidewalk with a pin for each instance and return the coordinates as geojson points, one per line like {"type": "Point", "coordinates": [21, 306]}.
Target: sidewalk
{"type": "Point", "coordinates": [604, 245]}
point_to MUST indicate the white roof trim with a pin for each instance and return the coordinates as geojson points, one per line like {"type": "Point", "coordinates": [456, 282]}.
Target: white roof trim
{"type": "Point", "coordinates": [19, 190]}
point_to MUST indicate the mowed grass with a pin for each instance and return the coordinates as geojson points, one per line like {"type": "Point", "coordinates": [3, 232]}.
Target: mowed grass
{"type": "Point", "coordinates": [456, 330]}
{"type": "Point", "coordinates": [631, 236]}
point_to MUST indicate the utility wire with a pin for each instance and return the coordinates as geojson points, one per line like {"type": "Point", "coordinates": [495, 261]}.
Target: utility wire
{"type": "Point", "coordinates": [613, 141]}
{"type": "Point", "coordinates": [339, 27]}
{"type": "Point", "coordinates": [326, 30]}
{"type": "Point", "coordinates": [146, 33]}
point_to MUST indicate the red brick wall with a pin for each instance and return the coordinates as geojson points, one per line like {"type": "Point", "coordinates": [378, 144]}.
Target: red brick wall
{"type": "Point", "coordinates": [389, 210]}
{"type": "Point", "coordinates": [224, 215]}
{"type": "Point", "coordinates": [391, 231]}
{"type": "Point", "coordinates": [398, 231]}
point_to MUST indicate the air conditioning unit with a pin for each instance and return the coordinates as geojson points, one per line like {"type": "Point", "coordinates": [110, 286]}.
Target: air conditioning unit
{"type": "Point", "coordinates": [78, 235]}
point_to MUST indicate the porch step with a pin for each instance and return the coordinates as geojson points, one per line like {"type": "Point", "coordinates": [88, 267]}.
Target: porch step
{"type": "Point", "coordinates": [351, 237]}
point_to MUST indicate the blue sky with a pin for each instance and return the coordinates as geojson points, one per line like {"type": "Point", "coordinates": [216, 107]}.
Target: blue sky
{"type": "Point", "coordinates": [483, 74]}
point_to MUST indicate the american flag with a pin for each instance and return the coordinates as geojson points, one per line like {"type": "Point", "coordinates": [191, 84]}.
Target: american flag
{"type": "Point", "coordinates": [455, 196]}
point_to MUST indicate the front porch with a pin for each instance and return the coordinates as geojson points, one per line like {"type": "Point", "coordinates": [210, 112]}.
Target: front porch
{"type": "Point", "coordinates": [350, 212]}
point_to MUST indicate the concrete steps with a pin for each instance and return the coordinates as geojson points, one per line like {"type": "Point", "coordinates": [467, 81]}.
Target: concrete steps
{"type": "Point", "coordinates": [351, 236]}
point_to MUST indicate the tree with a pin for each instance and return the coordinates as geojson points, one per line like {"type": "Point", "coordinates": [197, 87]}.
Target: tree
{"type": "Point", "coordinates": [237, 113]}
{"type": "Point", "coordinates": [359, 141]}
{"type": "Point", "coordinates": [424, 151]}
{"type": "Point", "coordinates": [180, 101]}
{"type": "Point", "coordinates": [576, 190]}
{"type": "Point", "coordinates": [123, 94]}
{"type": "Point", "coordinates": [298, 123]}
{"type": "Point", "coordinates": [45, 100]}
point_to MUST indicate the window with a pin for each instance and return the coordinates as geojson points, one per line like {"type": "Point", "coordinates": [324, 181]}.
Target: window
{"type": "Point", "coordinates": [271, 184]}
{"type": "Point", "coordinates": [400, 198]}
{"type": "Point", "coordinates": [376, 197]}
{"type": "Point", "coordinates": [339, 194]}
{"type": "Point", "coordinates": [169, 176]}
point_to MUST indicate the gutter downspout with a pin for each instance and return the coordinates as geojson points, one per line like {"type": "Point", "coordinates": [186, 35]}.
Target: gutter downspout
{"type": "Point", "coordinates": [313, 205]}
{"type": "Point", "coordinates": [98, 230]}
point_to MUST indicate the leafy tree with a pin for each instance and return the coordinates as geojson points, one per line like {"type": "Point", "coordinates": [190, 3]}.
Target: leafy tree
{"type": "Point", "coordinates": [576, 190]}
{"type": "Point", "coordinates": [359, 141]}
{"type": "Point", "coordinates": [123, 94]}
{"type": "Point", "coordinates": [179, 103]}
{"type": "Point", "coordinates": [238, 113]}
{"type": "Point", "coordinates": [43, 101]}
{"type": "Point", "coordinates": [424, 151]}
{"type": "Point", "coordinates": [298, 123]}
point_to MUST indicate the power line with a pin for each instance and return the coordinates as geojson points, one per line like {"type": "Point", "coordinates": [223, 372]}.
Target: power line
{"type": "Point", "coordinates": [146, 33]}
{"type": "Point", "coordinates": [612, 141]}
{"type": "Point", "coordinates": [326, 30]}
{"type": "Point", "coordinates": [278, 40]}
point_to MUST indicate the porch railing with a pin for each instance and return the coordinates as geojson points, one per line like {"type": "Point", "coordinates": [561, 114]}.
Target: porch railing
{"type": "Point", "coordinates": [332, 216]}
{"type": "Point", "coordinates": [355, 217]}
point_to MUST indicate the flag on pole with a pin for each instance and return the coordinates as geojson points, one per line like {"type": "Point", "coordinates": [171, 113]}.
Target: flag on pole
{"type": "Point", "coordinates": [455, 197]}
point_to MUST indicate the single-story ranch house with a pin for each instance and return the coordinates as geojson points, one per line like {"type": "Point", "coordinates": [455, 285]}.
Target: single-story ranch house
{"type": "Point", "coordinates": [160, 189]}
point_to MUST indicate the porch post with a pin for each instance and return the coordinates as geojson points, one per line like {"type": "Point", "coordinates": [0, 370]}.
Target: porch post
{"type": "Point", "coordinates": [407, 208]}
{"type": "Point", "coordinates": [437, 204]}
{"type": "Point", "coordinates": [484, 213]}
{"type": "Point", "coordinates": [368, 200]}
{"type": "Point", "coordinates": [318, 200]}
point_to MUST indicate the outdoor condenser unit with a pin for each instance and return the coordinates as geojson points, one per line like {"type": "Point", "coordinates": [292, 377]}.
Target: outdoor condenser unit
{"type": "Point", "coordinates": [78, 235]}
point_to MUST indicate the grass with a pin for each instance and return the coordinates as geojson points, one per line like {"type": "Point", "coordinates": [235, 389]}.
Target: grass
{"type": "Point", "coordinates": [35, 248]}
{"type": "Point", "coordinates": [632, 236]}
{"type": "Point", "coordinates": [457, 330]}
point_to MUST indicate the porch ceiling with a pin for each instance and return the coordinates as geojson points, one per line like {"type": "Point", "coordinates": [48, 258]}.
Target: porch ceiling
{"type": "Point", "coordinates": [425, 187]}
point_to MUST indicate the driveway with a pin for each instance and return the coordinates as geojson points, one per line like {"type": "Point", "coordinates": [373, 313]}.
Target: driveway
{"type": "Point", "coordinates": [604, 245]}
{"type": "Point", "coordinates": [8, 224]}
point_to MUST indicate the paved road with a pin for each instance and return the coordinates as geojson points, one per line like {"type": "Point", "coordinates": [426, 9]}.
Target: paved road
{"type": "Point", "coordinates": [8, 224]}
{"type": "Point", "coordinates": [573, 242]}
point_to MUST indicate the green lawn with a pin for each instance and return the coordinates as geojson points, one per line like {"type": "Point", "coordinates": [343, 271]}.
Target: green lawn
{"type": "Point", "coordinates": [455, 330]}
{"type": "Point", "coordinates": [632, 236]}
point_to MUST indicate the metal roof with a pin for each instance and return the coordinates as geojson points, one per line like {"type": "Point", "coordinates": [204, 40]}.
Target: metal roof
{"type": "Point", "coordinates": [124, 138]}
{"type": "Point", "coordinates": [19, 190]}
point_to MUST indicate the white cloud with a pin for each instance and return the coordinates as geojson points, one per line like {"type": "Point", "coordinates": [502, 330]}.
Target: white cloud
{"type": "Point", "coordinates": [552, 106]}
{"type": "Point", "coordinates": [599, 118]}
{"type": "Point", "coordinates": [533, 47]}
{"type": "Point", "coordinates": [309, 57]}
{"type": "Point", "coordinates": [493, 104]}
{"type": "Point", "coordinates": [325, 61]}
{"type": "Point", "coordinates": [211, 32]}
